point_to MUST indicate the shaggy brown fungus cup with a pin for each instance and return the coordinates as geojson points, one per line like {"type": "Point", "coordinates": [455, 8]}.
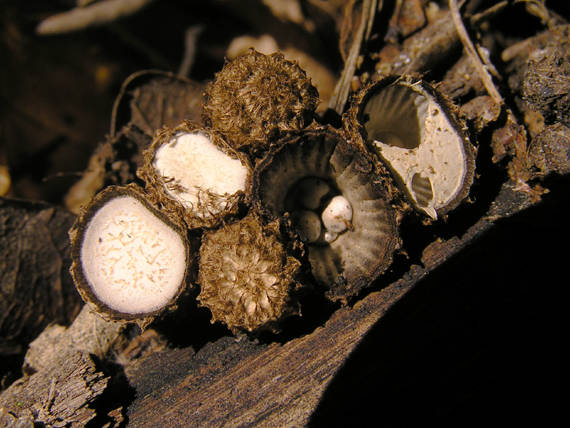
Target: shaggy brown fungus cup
{"type": "Point", "coordinates": [257, 97]}
{"type": "Point", "coordinates": [130, 261]}
{"type": "Point", "coordinates": [247, 275]}
{"type": "Point", "coordinates": [336, 199]}
{"type": "Point", "coordinates": [416, 134]}
{"type": "Point", "coordinates": [192, 173]}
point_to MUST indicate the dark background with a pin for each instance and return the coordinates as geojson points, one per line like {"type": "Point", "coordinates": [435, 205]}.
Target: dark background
{"type": "Point", "coordinates": [479, 342]}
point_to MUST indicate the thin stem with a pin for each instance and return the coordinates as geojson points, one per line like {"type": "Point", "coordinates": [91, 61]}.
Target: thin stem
{"type": "Point", "coordinates": [482, 70]}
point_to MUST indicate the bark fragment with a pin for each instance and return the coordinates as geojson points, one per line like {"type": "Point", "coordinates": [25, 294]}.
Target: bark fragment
{"type": "Point", "coordinates": [59, 396]}
{"type": "Point", "coordinates": [35, 286]}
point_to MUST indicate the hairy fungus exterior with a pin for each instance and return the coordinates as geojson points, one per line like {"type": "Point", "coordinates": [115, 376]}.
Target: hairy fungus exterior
{"type": "Point", "coordinates": [257, 97]}
{"type": "Point", "coordinates": [549, 151]}
{"type": "Point", "coordinates": [415, 132]}
{"type": "Point", "coordinates": [192, 173]}
{"type": "Point", "coordinates": [329, 187]}
{"type": "Point", "coordinates": [130, 261]}
{"type": "Point", "coordinates": [247, 275]}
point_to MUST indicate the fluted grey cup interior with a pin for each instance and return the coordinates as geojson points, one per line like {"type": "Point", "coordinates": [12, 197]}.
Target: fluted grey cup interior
{"type": "Point", "coordinates": [394, 116]}
{"type": "Point", "coordinates": [361, 253]}
{"type": "Point", "coordinates": [416, 134]}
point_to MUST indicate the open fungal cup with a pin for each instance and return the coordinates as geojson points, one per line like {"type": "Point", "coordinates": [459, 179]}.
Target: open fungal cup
{"type": "Point", "coordinates": [332, 194]}
{"type": "Point", "coordinates": [193, 173]}
{"type": "Point", "coordinates": [257, 97]}
{"type": "Point", "coordinates": [415, 133]}
{"type": "Point", "coordinates": [129, 261]}
{"type": "Point", "coordinates": [247, 276]}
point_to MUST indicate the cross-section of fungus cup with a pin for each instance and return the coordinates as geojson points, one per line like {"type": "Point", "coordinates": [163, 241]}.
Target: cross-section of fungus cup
{"type": "Point", "coordinates": [335, 198]}
{"type": "Point", "coordinates": [416, 134]}
{"type": "Point", "coordinates": [257, 97]}
{"type": "Point", "coordinates": [192, 173]}
{"type": "Point", "coordinates": [249, 275]}
{"type": "Point", "coordinates": [130, 262]}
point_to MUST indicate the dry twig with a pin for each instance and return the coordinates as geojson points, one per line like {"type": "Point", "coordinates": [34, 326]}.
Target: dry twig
{"type": "Point", "coordinates": [190, 41]}
{"type": "Point", "coordinates": [482, 70]}
{"type": "Point", "coordinates": [89, 16]}
{"type": "Point", "coordinates": [340, 95]}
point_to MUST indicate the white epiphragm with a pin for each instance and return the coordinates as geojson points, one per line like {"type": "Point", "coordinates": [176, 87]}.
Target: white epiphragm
{"type": "Point", "coordinates": [438, 162]}
{"type": "Point", "coordinates": [330, 236]}
{"type": "Point", "coordinates": [337, 215]}
{"type": "Point", "coordinates": [314, 223]}
{"type": "Point", "coordinates": [133, 261]}
{"type": "Point", "coordinates": [198, 173]}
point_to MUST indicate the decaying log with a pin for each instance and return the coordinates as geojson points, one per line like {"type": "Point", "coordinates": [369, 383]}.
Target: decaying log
{"type": "Point", "coordinates": [232, 383]}
{"type": "Point", "coordinates": [88, 334]}
{"type": "Point", "coordinates": [63, 380]}
{"type": "Point", "coordinates": [35, 285]}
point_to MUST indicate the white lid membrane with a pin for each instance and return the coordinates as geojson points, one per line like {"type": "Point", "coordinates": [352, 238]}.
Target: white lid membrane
{"type": "Point", "coordinates": [133, 261]}
{"type": "Point", "coordinates": [196, 168]}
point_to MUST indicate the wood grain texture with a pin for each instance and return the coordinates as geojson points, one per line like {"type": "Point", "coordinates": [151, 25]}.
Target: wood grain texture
{"type": "Point", "coordinates": [35, 285]}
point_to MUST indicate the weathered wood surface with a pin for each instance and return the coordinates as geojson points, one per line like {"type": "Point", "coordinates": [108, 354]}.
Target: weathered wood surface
{"type": "Point", "coordinates": [35, 285]}
{"type": "Point", "coordinates": [60, 395]}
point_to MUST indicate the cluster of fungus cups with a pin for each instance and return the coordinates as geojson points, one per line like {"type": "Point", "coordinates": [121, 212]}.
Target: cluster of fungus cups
{"type": "Point", "coordinates": [196, 179]}
{"type": "Point", "coordinates": [130, 248]}
{"type": "Point", "coordinates": [317, 208]}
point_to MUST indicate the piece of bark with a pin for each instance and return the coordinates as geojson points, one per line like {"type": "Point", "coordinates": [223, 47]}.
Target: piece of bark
{"type": "Point", "coordinates": [481, 111]}
{"type": "Point", "coordinates": [462, 80]}
{"type": "Point", "coordinates": [9, 420]}
{"type": "Point", "coordinates": [428, 50]}
{"type": "Point", "coordinates": [89, 334]}
{"type": "Point", "coordinates": [63, 381]}
{"type": "Point", "coordinates": [80, 18]}
{"type": "Point", "coordinates": [59, 396]}
{"type": "Point", "coordinates": [238, 384]}
{"type": "Point", "coordinates": [35, 286]}
{"type": "Point", "coordinates": [408, 17]}
{"type": "Point", "coordinates": [358, 26]}
{"type": "Point", "coordinates": [91, 181]}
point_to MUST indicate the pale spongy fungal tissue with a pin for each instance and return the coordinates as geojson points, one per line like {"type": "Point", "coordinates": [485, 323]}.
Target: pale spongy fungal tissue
{"type": "Point", "coordinates": [128, 260]}
{"type": "Point", "coordinates": [197, 172]}
{"type": "Point", "coordinates": [193, 174]}
{"type": "Point", "coordinates": [419, 140]}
